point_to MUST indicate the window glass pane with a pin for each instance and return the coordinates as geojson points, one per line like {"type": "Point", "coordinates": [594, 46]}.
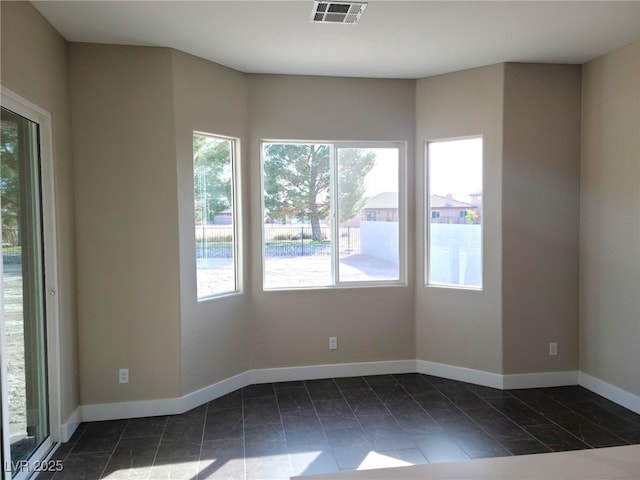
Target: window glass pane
{"type": "Point", "coordinates": [455, 213]}
{"type": "Point", "coordinates": [23, 289]}
{"type": "Point", "coordinates": [297, 233]}
{"type": "Point", "coordinates": [368, 213]}
{"type": "Point", "coordinates": [310, 241]}
{"type": "Point", "coordinates": [214, 215]}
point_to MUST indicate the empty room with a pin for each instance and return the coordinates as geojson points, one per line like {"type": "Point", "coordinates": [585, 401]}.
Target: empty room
{"type": "Point", "coordinates": [279, 239]}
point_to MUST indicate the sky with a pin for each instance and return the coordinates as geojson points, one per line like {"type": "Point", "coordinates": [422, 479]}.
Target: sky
{"type": "Point", "coordinates": [383, 177]}
{"type": "Point", "coordinates": [455, 166]}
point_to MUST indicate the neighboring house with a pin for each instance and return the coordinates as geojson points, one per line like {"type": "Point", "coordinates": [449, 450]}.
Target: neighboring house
{"type": "Point", "coordinates": [223, 218]}
{"type": "Point", "coordinates": [383, 207]}
{"type": "Point", "coordinates": [446, 209]}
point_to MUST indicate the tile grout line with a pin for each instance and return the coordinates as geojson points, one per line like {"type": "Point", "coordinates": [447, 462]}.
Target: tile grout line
{"type": "Point", "coordinates": [456, 406]}
{"type": "Point", "coordinates": [561, 427]}
{"type": "Point", "coordinates": [603, 427]}
{"type": "Point", "coordinates": [113, 450]}
{"type": "Point", "coordinates": [551, 422]}
{"type": "Point", "coordinates": [244, 436]}
{"type": "Point", "coordinates": [315, 410]}
{"type": "Point", "coordinates": [155, 455]}
{"type": "Point", "coordinates": [354, 414]}
{"type": "Point", "coordinates": [324, 432]}
{"type": "Point", "coordinates": [521, 427]}
{"type": "Point", "coordinates": [394, 417]}
{"type": "Point", "coordinates": [323, 429]}
{"type": "Point", "coordinates": [284, 433]}
{"type": "Point", "coordinates": [69, 452]}
{"type": "Point", "coordinates": [385, 405]}
{"type": "Point", "coordinates": [204, 426]}
{"type": "Point", "coordinates": [472, 420]}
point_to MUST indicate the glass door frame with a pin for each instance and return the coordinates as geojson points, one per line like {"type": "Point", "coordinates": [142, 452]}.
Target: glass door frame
{"type": "Point", "coordinates": [17, 104]}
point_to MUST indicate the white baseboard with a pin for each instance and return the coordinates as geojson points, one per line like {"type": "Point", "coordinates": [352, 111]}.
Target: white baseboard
{"type": "Point", "coordinates": [462, 374]}
{"type": "Point", "coordinates": [206, 394]}
{"type": "Point", "coordinates": [540, 380]}
{"type": "Point", "coordinates": [67, 429]}
{"type": "Point", "coordinates": [495, 380]}
{"type": "Point", "coordinates": [168, 406]}
{"type": "Point", "coordinates": [172, 406]}
{"type": "Point", "coordinates": [611, 392]}
{"type": "Point", "coordinates": [121, 410]}
{"type": "Point", "coordinates": [311, 372]}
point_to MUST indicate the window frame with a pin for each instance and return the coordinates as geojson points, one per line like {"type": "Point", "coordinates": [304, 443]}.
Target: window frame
{"type": "Point", "coordinates": [427, 217]}
{"type": "Point", "coordinates": [234, 153]}
{"type": "Point", "coordinates": [334, 146]}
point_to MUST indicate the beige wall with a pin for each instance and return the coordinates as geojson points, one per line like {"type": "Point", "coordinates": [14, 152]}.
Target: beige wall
{"type": "Point", "coordinates": [34, 65]}
{"type": "Point", "coordinates": [610, 218]}
{"type": "Point", "coordinates": [372, 324]}
{"type": "Point", "coordinates": [454, 326]}
{"type": "Point", "coordinates": [213, 99]}
{"type": "Point", "coordinates": [126, 222]}
{"type": "Point", "coordinates": [540, 214]}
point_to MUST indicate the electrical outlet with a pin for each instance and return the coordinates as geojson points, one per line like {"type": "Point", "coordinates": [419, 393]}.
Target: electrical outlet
{"type": "Point", "coordinates": [123, 375]}
{"type": "Point", "coordinates": [333, 343]}
{"type": "Point", "coordinates": [553, 349]}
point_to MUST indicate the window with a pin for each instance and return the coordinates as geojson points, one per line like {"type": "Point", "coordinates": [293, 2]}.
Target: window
{"type": "Point", "coordinates": [333, 214]}
{"type": "Point", "coordinates": [215, 215]}
{"type": "Point", "coordinates": [454, 205]}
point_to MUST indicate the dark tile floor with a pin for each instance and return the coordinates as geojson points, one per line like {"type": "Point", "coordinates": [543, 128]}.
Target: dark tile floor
{"type": "Point", "coordinates": [276, 430]}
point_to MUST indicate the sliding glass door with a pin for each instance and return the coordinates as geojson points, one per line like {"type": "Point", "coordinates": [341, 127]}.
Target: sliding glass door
{"type": "Point", "coordinates": [25, 409]}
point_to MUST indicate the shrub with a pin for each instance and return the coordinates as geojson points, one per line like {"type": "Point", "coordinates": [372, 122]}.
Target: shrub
{"type": "Point", "coordinates": [212, 235]}
{"type": "Point", "coordinates": [291, 235]}
{"type": "Point", "coordinates": [285, 236]}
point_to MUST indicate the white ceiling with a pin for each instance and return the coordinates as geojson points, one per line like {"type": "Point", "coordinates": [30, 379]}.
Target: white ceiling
{"type": "Point", "coordinates": [394, 39]}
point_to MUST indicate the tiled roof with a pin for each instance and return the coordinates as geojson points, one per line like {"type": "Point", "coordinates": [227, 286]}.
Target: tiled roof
{"type": "Point", "coordinates": [390, 200]}
{"type": "Point", "coordinates": [438, 201]}
{"type": "Point", "coordinates": [383, 200]}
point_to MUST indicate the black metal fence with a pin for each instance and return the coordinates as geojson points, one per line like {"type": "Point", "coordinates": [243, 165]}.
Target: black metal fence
{"type": "Point", "coordinates": [296, 241]}
{"type": "Point", "coordinates": [11, 246]}
{"type": "Point", "coordinates": [279, 241]}
{"type": "Point", "coordinates": [213, 241]}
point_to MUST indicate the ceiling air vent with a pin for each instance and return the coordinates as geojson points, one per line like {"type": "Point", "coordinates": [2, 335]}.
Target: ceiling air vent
{"type": "Point", "coordinates": [337, 12]}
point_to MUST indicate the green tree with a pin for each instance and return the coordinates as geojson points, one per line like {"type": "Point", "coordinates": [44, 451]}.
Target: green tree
{"type": "Point", "coordinates": [9, 174]}
{"type": "Point", "coordinates": [471, 216]}
{"type": "Point", "coordinates": [353, 167]}
{"type": "Point", "coordinates": [212, 174]}
{"type": "Point", "coordinates": [297, 179]}
{"type": "Point", "coordinates": [296, 183]}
